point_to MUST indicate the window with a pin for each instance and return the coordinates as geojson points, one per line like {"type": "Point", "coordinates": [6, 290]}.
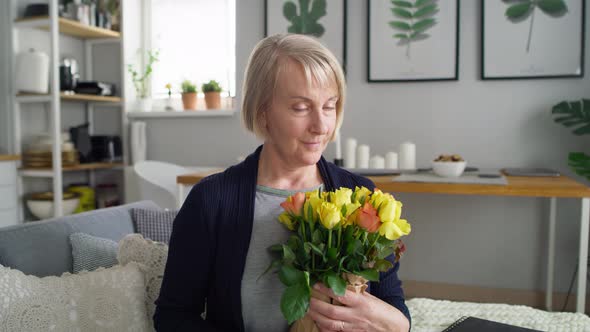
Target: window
{"type": "Point", "coordinates": [196, 40]}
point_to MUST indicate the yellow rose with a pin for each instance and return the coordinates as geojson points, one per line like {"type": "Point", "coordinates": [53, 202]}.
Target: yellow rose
{"type": "Point", "coordinates": [341, 197]}
{"type": "Point", "coordinates": [285, 219]}
{"type": "Point", "coordinates": [168, 86]}
{"type": "Point", "coordinates": [390, 210]}
{"type": "Point", "coordinates": [329, 215]}
{"type": "Point", "coordinates": [360, 193]}
{"type": "Point", "coordinates": [350, 217]}
{"type": "Point", "coordinates": [314, 201]}
{"type": "Point", "coordinates": [394, 230]}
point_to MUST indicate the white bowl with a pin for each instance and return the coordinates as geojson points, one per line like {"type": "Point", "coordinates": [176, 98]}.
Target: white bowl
{"type": "Point", "coordinates": [43, 208]}
{"type": "Point", "coordinates": [448, 169]}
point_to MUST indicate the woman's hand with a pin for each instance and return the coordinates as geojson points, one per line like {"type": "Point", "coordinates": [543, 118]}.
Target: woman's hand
{"type": "Point", "coordinates": [359, 312]}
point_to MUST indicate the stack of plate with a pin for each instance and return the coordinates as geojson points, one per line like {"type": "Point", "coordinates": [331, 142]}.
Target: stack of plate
{"type": "Point", "coordinates": [43, 159]}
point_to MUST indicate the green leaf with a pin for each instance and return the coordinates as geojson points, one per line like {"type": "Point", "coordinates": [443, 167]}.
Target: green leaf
{"type": "Point", "coordinates": [337, 284]}
{"type": "Point", "coordinates": [295, 302]}
{"type": "Point", "coordinates": [370, 274]}
{"type": "Point", "coordinates": [290, 276]}
{"type": "Point", "coordinates": [580, 163]}
{"type": "Point", "coordinates": [423, 25]}
{"type": "Point", "coordinates": [402, 12]}
{"type": "Point", "coordinates": [288, 254]}
{"type": "Point", "coordinates": [385, 252]}
{"type": "Point", "coordinates": [383, 265]}
{"type": "Point", "coordinates": [420, 3]}
{"type": "Point", "coordinates": [518, 11]}
{"type": "Point", "coordinates": [315, 249]}
{"type": "Point", "coordinates": [405, 4]}
{"type": "Point", "coordinates": [575, 114]}
{"type": "Point", "coordinates": [309, 213]}
{"type": "Point", "coordinates": [276, 248]}
{"type": "Point", "coordinates": [426, 11]}
{"type": "Point", "coordinates": [318, 9]}
{"type": "Point", "coordinates": [401, 36]}
{"type": "Point", "coordinates": [402, 26]}
{"type": "Point", "coordinates": [316, 237]}
{"type": "Point", "coordinates": [552, 6]}
{"type": "Point", "coordinates": [332, 253]}
{"type": "Point", "coordinates": [289, 10]}
{"type": "Point", "coordinates": [273, 265]}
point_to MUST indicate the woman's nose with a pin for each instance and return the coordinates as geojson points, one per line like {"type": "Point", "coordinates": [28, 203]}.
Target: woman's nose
{"type": "Point", "coordinates": [319, 122]}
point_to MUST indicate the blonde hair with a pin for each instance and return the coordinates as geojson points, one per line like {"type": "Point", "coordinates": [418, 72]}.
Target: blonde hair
{"type": "Point", "coordinates": [269, 58]}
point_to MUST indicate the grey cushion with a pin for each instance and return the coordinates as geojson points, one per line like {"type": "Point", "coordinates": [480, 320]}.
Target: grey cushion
{"type": "Point", "coordinates": [155, 225]}
{"type": "Point", "coordinates": [42, 248]}
{"type": "Point", "coordinates": [91, 252]}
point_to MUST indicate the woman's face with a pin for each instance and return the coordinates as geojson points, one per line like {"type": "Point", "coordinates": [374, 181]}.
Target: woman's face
{"type": "Point", "coordinates": [301, 119]}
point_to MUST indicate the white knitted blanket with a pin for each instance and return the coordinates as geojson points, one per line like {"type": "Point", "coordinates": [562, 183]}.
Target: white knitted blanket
{"type": "Point", "coordinates": [435, 315]}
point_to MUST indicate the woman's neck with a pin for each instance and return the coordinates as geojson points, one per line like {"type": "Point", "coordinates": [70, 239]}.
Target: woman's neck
{"type": "Point", "coordinates": [275, 173]}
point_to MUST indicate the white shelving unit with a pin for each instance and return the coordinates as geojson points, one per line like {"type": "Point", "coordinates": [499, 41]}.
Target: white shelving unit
{"type": "Point", "coordinates": [89, 36]}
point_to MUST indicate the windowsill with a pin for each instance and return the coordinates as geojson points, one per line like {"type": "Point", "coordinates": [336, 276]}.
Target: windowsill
{"type": "Point", "coordinates": [180, 114]}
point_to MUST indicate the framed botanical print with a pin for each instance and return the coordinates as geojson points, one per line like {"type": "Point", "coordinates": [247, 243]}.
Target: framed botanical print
{"type": "Point", "coordinates": [322, 19]}
{"type": "Point", "coordinates": [413, 40]}
{"type": "Point", "coordinates": [524, 39]}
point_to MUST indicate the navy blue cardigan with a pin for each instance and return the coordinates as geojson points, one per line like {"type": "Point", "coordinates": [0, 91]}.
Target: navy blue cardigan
{"type": "Point", "coordinates": [209, 245]}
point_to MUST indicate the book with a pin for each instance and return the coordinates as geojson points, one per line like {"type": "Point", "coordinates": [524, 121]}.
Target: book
{"type": "Point", "coordinates": [534, 171]}
{"type": "Point", "coordinates": [468, 324]}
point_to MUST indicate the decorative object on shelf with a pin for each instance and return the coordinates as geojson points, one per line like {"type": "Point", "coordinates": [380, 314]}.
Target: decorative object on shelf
{"type": "Point", "coordinates": [377, 162]}
{"type": "Point", "coordinates": [87, 198]}
{"type": "Point", "coordinates": [323, 19]}
{"type": "Point", "coordinates": [169, 99]}
{"type": "Point", "coordinates": [532, 39]}
{"type": "Point", "coordinates": [107, 195]}
{"type": "Point", "coordinates": [407, 155]}
{"type": "Point", "coordinates": [95, 88]}
{"type": "Point", "coordinates": [68, 74]}
{"type": "Point", "coordinates": [189, 95]}
{"type": "Point", "coordinates": [114, 14]}
{"type": "Point", "coordinates": [403, 35]}
{"type": "Point", "coordinates": [140, 80]}
{"type": "Point", "coordinates": [350, 153]}
{"type": "Point", "coordinates": [106, 148]}
{"type": "Point", "coordinates": [576, 114]}
{"type": "Point", "coordinates": [449, 166]}
{"type": "Point", "coordinates": [32, 72]}
{"type": "Point", "coordinates": [212, 92]}
{"type": "Point", "coordinates": [41, 204]}
{"type": "Point", "coordinates": [81, 138]}
{"type": "Point", "coordinates": [391, 160]}
{"type": "Point", "coordinates": [39, 152]}
{"type": "Point", "coordinates": [363, 152]}
{"type": "Point", "coordinates": [338, 161]}
{"type": "Point", "coordinates": [36, 9]}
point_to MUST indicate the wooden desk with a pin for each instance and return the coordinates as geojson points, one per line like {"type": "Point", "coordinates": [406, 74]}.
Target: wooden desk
{"type": "Point", "coordinates": [549, 187]}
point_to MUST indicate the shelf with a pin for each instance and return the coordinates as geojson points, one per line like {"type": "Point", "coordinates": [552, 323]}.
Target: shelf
{"type": "Point", "coordinates": [67, 27]}
{"type": "Point", "coordinates": [45, 98]}
{"type": "Point", "coordinates": [180, 114]}
{"type": "Point", "coordinates": [48, 172]}
{"type": "Point", "coordinates": [9, 157]}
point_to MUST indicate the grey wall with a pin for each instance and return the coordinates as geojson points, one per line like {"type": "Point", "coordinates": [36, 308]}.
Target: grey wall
{"type": "Point", "coordinates": [5, 145]}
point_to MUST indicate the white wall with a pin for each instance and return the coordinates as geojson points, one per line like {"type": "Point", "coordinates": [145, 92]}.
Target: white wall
{"type": "Point", "coordinates": [5, 145]}
{"type": "Point", "coordinates": [472, 240]}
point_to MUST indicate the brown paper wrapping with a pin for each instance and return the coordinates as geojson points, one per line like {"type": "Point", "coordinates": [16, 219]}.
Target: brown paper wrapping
{"type": "Point", "coordinates": [355, 284]}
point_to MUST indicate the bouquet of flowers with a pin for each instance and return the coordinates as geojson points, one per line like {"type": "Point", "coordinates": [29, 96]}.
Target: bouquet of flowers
{"type": "Point", "coordinates": [341, 239]}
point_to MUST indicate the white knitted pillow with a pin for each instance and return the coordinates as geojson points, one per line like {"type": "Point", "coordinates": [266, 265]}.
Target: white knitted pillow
{"type": "Point", "coordinates": [103, 300]}
{"type": "Point", "coordinates": [152, 255]}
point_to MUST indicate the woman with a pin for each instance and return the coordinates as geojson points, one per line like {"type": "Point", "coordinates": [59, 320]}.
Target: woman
{"type": "Point", "coordinates": [293, 97]}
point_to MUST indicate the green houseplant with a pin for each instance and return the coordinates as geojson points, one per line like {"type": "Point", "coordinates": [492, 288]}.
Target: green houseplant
{"type": "Point", "coordinates": [575, 115]}
{"type": "Point", "coordinates": [140, 79]}
{"type": "Point", "coordinates": [212, 92]}
{"type": "Point", "coordinates": [189, 95]}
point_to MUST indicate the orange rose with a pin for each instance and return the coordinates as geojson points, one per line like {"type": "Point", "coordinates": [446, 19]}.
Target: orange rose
{"type": "Point", "coordinates": [294, 204]}
{"type": "Point", "coordinates": [368, 218]}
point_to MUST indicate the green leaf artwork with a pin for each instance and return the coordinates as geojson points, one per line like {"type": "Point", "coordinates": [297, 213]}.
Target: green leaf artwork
{"type": "Point", "coordinates": [520, 10]}
{"type": "Point", "coordinates": [414, 18]}
{"type": "Point", "coordinates": [575, 115]}
{"type": "Point", "coordinates": [306, 21]}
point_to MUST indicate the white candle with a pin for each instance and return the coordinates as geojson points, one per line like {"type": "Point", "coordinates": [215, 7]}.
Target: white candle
{"type": "Point", "coordinates": [391, 160]}
{"type": "Point", "coordinates": [407, 155]}
{"type": "Point", "coordinates": [362, 156]}
{"type": "Point", "coordinates": [338, 146]}
{"type": "Point", "coordinates": [377, 162]}
{"type": "Point", "coordinates": [350, 153]}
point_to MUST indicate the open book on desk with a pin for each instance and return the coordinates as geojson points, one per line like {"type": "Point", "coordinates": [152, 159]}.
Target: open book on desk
{"type": "Point", "coordinates": [469, 324]}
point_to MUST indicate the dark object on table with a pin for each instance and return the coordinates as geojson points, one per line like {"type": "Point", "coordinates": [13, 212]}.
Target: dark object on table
{"type": "Point", "coordinates": [428, 169]}
{"type": "Point", "coordinates": [465, 324]}
{"type": "Point", "coordinates": [68, 74]}
{"type": "Point", "coordinates": [106, 148]}
{"type": "Point", "coordinates": [532, 171]}
{"type": "Point", "coordinates": [36, 9]}
{"type": "Point", "coordinates": [339, 162]}
{"type": "Point", "coordinates": [95, 88]}
{"type": "Point", "coordinates": [489, 176]}
{"type": "Point", "coordinates": [81, 139]}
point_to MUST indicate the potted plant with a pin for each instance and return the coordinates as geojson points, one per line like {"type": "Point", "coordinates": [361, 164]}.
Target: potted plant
{"type": "Point", "coordinates": [140, 80]}
{"type": "Point", "coordinates": [189, 95]}
{"type": "Point", "coordinates": [576, 114]}
{"type": "Point", "coordinates": [212, 94]}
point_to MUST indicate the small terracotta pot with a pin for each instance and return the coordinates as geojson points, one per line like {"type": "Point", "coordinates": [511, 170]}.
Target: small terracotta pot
{"type": "Point", "coordinates": [213, 100]}
{"type": "Point", "coordinates": [189, 101]}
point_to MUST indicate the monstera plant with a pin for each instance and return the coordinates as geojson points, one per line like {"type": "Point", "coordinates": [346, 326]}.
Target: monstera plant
{"type": "Point", "coordinates": [521, 10]}
{"type": "Point", "coordinates": [414, 18]}
{"type": "Point", "coordinates": [306, 22]}
{"type": "Point", "coordinates": [576, 115]}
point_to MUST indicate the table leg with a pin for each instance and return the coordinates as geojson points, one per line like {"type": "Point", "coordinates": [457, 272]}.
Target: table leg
{"type": "Point", "coordinates": [180, 198]}
{"type": "Point", "coordinates": [551, 255]}
{"type": "Point", "coordinates": [583, 256]}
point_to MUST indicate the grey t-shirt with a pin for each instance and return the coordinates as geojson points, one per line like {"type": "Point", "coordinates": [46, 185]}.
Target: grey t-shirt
{"type": "Point", "coordinates": [261, 297]}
